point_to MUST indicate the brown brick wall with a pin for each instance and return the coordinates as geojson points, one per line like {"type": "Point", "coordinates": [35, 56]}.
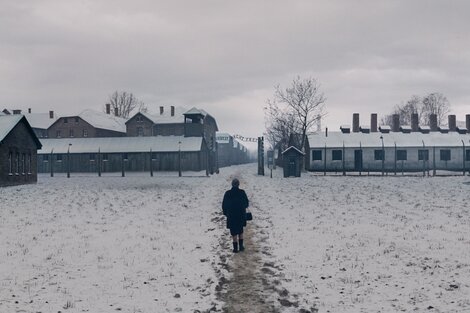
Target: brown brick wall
{"type": "Point", "coordinates": [78, 126]}
{"type": "Point", "coordinates": [133, 124]}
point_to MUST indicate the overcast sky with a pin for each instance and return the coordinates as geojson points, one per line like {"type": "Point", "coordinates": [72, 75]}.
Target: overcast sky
{"type": "Point", "coordinates": [227, 56]}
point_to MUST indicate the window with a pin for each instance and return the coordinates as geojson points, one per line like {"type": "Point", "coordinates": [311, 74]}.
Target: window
{"type": "Point", "coordinates": [125, 157]}
{"type": "Point", "coordinates": [85, 133]}
{"type": "Point", "coordinates": [140, 131]}
{"type": "Point", "coordinates": [154, 156]}
{"type": "Point", "coordinates": [401, 155]}
{"type": "Point", "coordinates": [17, 161]}
{"type": "Point", "coordinates": [423, 155]}
{"type": "Point", "coordinates": [76, 120]}
{"type": "Point", "coordinates": [105, 157]}
{"type": "Point", "coordinates": [445, 155]}
{"type": "Point", "coordinates": [337, 155]}
{"type": "Point", "coordinates": [316, 155]}
{"type": "Point", "coordinates": [92, 157]}
{"type": "Point", "coordinates": [58, 134]}
{"type": "Point", "coordinates": [10, 163]}
{"type": "Point", "coordinates": [59, 158]}
{"type": "Point", "coordinates": [45, 158]}
{"type": "Point", "coordinates": [66, 120]}
{"type": "Point", "coordinates": [379, 155]}
{"type": "Point", "coordinates": [139, 119]}
{"type": "Point", "coordinates": [23, 161]}
{"type": "Point", "coordinates": [467, 155]}
{"type": "Point", "coordinates": [71, 133]}
{"type": "Point", "coordinates": [29, 163]}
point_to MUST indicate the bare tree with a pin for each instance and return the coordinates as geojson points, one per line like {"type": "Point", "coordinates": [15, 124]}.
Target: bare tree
{"type": "Point", "coordinates": [433, 103]}
{"type": "Point", "coordinates": [125, 103]}
{"type": "Point", "coordinates": [294, 110]}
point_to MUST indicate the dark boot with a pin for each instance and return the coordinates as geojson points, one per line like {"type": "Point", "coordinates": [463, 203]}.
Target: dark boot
{"type": "Point", "coordinates": [240, 245]}
{"type": "Point", "coordinates": [235, 247]}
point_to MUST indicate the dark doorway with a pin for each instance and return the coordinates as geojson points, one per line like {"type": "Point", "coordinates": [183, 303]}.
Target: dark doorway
{"type": "Point", "coordinates": [292, 166]}
{"type": "Point", "coordinates": [358, 160]}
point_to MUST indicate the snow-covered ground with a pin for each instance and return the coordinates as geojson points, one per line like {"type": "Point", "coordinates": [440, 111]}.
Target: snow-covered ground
{"type": "Point", "coordinates": [158, 244]}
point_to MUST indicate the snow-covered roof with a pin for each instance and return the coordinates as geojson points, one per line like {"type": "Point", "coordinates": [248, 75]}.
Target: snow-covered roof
{"type": "Point", "coordinates": [7, 123]}
{"type": "Point", "coordinates": [103, 120]}
{"type": "Point", "coordinates": [293, 148]}
{"type": "Point", "coordinates": [222, 137]}
{"type": "Point", "coordinates": [40, 120]}
{"type": "Point", "coordinates": [414, 139]}
{"type": "Point", "coordinates": [166, 117]}
{"type": "Point", "coordinates": [195, 111]}
{"type": "Point", "coordinates": [122, 144]}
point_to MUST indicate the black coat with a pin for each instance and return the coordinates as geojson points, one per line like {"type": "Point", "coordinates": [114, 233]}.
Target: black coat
{"type": "Point", "coordinates": [234, 206]}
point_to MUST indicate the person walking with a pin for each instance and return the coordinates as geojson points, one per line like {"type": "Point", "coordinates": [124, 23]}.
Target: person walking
{"type": "Point", "coordinates": [234, 207]}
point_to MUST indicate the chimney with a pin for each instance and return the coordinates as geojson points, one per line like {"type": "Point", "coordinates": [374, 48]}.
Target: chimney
{"type": "Point", "coordinates": [172, 111]}
{"type": "Point", "coordinates": [452, 123]}
{"type": "Point", "coordinates": [108, 108]}
{"type": "Point", "coordinates": [161, 110]}
{"type": "Point", "coordinates": [355, 127]}
{"type": "Point", "coordinates": [16, 112]}
{"type": "Point", "coordinates": [29, 110]}
{"type": "Point", "coordinates": [116, 112]}
{"type": "Point", "coordinates": [414, 122]}
{"type": "Point", "coordinates": [433, 122]}
{"type": "Point", "coordinates": [326, 132]}
{"type": "Point", "coordinates": [395, 123]}
{"type": "Point", "coordinates": [467, 122]}
{"type": "Point", "coordinates": [51, 114]}
{"type": "Point", "coordinates": [373, 123]}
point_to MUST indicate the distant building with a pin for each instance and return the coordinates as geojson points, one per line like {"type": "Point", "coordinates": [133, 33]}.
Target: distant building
{"type": "Point", "coordinates": [230, 151]}
{"type": "Point", "coordinates": [391, 150]}
{"type": "Point", "coordinates": [158, 153]}
{"type": "Point", "coordinates": [177, 122]}
{"type": "Point", "coordinates": [18, 151]}
{"type": "Point", "coordinates": [39, 122]}
{"type": "Point", "coordinates": [88, 124]}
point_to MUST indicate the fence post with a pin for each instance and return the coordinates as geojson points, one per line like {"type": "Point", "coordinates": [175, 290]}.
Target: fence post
{"type": "Point", "coordinates": [99, 162]}
{"type": "Point", "coordinates": [123, 174]}
{"type": "Point", "coordinates": [324, 163]}
{"type": "Point", "coordinates": [52, 162]}
{"type": "Point", "coordinates": [434, 161]}
{"type": "Point", "coordinates": [463, 159]}
{"type": "Point", "coordinates": [151, 163]}
{"type": "Point", "coordinates": [344, 168]}
{"type": "Point", "coordinates": [395, 165]}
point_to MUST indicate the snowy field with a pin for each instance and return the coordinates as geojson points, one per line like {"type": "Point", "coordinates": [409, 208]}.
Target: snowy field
{"type": "Point", "coordinates": [158, 244]}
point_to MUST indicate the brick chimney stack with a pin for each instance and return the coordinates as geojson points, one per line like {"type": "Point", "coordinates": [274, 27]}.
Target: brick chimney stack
{"type": "Point", "coordinates": [373, 123]}
{"type": "Point", "coordinates": [355, 127]}
{"type": "Point", "coordinates": [29, 110]}
{"type": "Point", "coordinates": [51, 114]}
{"type": "Point", "coordinates": [433, 122]}
{"type": "Point", "coordinates": [116, 112]}
{"type": "Point", "coordinates": [161, 110]}
{"type": "Point", "coordinates": [452, 123]}
{"type": "Point", "coordinates": [108, 108]}
{"type": "Point", "coordinates": [395, 123]}
{"type": "Point", "coordinates": [467, 122]}
{"type": "Point", "coordinates": [172, 111]}
{"type": "Point", "coordinates": [414, 122]}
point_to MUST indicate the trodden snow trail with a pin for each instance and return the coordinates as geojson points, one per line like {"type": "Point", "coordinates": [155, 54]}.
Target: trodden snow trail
{"type": "Point", "coordinates": [249, 281]}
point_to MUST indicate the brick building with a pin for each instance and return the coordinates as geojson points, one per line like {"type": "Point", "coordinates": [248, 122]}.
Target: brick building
{"type": "Point", "coordinates": [18, 151]}
{"type": "Point", "coordinates": [89, 124]}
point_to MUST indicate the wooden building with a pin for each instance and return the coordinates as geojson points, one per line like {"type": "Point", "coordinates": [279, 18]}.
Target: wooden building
{"type": "Point", "coordinates": [158, 153]}
{"type": "Point", "coordinates": [292, 158]}
{"type": "Point", "coordinates": [18, 151]}
{"type": "Point", "coordinates": [230, 150]}
{"type": "Point", "coordinates": [391, 150]}
{"type": "Point", "coordinates": [88, 124]}
{"type": "Point", "coordinates": [177, 121]}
